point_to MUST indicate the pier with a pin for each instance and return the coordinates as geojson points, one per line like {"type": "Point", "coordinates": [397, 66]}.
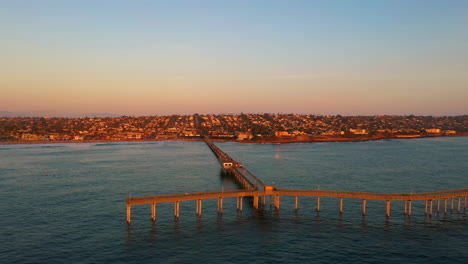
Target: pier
{"type": "Point", "coordinates": [230, 166]}
{"type": "Point", "coordinates": [258, 191]}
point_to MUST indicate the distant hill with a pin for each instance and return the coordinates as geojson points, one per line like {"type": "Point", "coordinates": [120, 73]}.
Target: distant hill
{"type": "Point", "coordinates": [53, 114]}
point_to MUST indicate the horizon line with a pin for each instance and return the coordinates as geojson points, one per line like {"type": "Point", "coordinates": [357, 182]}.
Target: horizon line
{"type": "Point", "coordinates": [8, 114]}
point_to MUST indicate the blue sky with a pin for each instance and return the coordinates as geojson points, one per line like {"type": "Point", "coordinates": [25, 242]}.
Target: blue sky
{"type": "Point", "coordinates": [164, 57]}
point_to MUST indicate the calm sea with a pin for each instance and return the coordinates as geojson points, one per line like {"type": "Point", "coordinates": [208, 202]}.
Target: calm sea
{"type": "Point", "coordinates": [65, 203]}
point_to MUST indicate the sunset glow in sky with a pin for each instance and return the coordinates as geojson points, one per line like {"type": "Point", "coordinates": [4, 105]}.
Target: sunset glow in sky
{"type": "Point", "coordinates": [185, 57]}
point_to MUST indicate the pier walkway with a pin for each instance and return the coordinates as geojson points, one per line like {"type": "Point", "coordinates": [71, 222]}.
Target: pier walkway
{"type": "Point", "coordinates": [230, 166]}
{"type": "Point", "coordinates": [258, 191]}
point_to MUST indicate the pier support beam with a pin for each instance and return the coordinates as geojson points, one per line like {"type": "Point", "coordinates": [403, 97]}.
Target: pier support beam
{"type": "Point", "coordinates": [405, 207]}
{"type": "Point", "coordinates": [388, 208]}
{"type": "Point", "coordinates": [255, 202]}
{"type": "Point", "coordinates": [153, 212]}
{"type": "Point", "coordinates": [452, 202]}
{"type": "Point", "coordinates": [438, 206]}
{"type": "Point", "coordinates": [465, 202]}
{"type": "Point", "coordinates": [318, 203]}
{"type": "Point", "coordinates": [129, 213]}
{"type": "Point", "coordinates": [199, 207]}
{"type": "Point", "coordinates": [277, 201]}
{"type": "Point", "coordinates": [341, 205]}
{"type": "Point", "coordinates": [410, 207]}
{"type": "Point", "coordinates": [445, 205]}
{"type": "Point", "coordinates": [176, 209]}
{"type": "Point", "coordinates": [430, 208]}
{"type": "Point", "coordinates": [425, 207]}
{"type": "Point", "coordinates": [220, 205]}
{"type": "Point", "coordinates": [296, 204]}
{"type": "Point", "coordinates": [239, 203]}
{"type": "Point", "coordinates": [364, 202]}
{"type": "Point", "coordinates": [459, 203]}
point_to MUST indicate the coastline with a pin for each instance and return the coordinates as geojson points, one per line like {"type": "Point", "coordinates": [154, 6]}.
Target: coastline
{"type": "Point", "coordinates": [265, 140]}
{"type": "Point", "coordinates": [319, 139]}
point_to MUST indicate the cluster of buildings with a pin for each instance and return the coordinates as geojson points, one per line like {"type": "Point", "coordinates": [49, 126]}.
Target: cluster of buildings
{"type": "Point", "coordinates": [249, 126]}
{"type": "Point", "coordinates": [242, 127]}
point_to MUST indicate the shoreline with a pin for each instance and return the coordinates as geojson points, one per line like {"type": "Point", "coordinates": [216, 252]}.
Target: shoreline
{"type": "Point", "coordinates": [310, 140]}
{"type": "Point", "coordinates": [321, 139]}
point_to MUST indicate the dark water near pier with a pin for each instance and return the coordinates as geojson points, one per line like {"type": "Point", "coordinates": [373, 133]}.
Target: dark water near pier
{"type": "Point", "coordinates": [65, 203]}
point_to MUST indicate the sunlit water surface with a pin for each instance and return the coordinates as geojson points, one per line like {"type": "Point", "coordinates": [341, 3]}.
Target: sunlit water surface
{"type": "Point", "coordinates": [65, 203]}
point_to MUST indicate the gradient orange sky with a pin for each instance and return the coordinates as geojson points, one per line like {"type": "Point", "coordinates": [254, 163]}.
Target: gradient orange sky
{"type": "Point", "coordinates": [185, 57]}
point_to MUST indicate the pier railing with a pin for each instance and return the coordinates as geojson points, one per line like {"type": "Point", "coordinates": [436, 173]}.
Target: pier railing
{"type": "Point", "coordinates": [375, 196]}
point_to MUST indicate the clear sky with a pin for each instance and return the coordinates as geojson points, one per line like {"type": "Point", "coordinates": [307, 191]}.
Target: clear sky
{"type": "Point", "coordinates": [183, 57]}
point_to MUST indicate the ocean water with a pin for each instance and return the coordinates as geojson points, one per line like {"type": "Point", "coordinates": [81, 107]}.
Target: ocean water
{"type": "Point", "coordinates": [65, 203]}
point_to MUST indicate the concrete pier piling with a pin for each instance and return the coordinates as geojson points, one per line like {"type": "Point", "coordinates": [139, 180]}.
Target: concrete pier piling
{"type": "Point", "coordinates": [177, 209]}
{"type": "Point", "coordinates": [239, 203]}
{"type": "Point", "coordinates": [129, 213]}
{"type": "Point", "coordinates": [430, 208]}
{"type": "Point", "coordinates": [220, 205]}
{"type": "Point", "coordinates": [341, 205]}
{"type": "Point", "coordinates": [277, 202]}
{"type": "Point", "coordinates": [255, 201]}
{"type": "Point", "coordinates": [387, 211]}
{"type": "Point", "coordinates": [407, 207]}
{"type": "Point", "coordinates": [153, 212]}
{"type": "Point", "coordinates": [199, 207]}
{"type": "Point", "coordinates": [364, 206]}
